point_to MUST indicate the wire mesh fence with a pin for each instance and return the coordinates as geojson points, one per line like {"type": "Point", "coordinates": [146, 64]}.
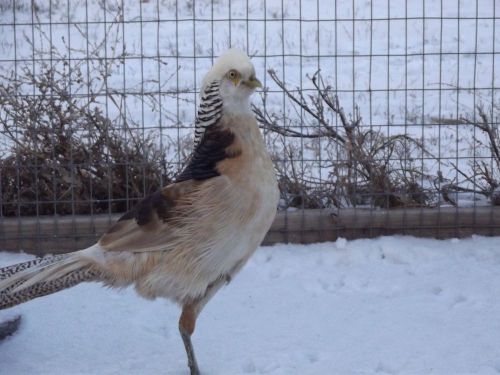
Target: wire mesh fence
{"type": "Point", "coordinates": [368, 105]}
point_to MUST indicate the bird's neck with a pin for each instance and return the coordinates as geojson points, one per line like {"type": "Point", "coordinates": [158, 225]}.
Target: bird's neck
{"type": "Point", "coordinates": [236, 105]}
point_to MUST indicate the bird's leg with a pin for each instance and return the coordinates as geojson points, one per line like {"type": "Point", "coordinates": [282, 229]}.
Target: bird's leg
{"type": "Point", "coordinates": [187, 321]}
{"type": "Point", "coordinates": [186, 328]}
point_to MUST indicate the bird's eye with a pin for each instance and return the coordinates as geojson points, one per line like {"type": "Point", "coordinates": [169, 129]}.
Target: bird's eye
{"type": "Point", "coordinates": [232, 74]}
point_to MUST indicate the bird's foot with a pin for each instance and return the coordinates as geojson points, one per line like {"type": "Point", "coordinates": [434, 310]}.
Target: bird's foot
{"type": "Point", "coordinates": [194, 368]}
{"type": "Point", "coordinates": [193, 365]}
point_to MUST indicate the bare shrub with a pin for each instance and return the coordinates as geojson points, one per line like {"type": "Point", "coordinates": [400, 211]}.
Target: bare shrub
{"type": "Point", "coordinates": [67, 157]}
{"type": "Point", "coordinates": [365, 166]}
{"type": "Point", "coordinates": [62, 153]}
{"type": "Point", "coordinates": [297, 186]}
{"type": "Point", "coordinates": [483, 173]}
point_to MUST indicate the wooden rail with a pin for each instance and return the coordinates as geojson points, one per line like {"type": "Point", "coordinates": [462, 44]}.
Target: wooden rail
{"type": "Point", "coordinates": [57, 234]}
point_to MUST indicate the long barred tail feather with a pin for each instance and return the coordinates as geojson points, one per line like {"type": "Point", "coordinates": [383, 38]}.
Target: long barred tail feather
{"type": "Point", "coordinates": [47, 287]}
{"type": "Point", "coordinates": [28, 280]}
{"type": "Point", "coordinates": [8, 271]}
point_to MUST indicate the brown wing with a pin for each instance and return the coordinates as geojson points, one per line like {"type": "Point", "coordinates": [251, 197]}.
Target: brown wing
{"type": "Point", "coordinates": [151, 222]}
{"type": "Point", "coordinates": [151, 225]}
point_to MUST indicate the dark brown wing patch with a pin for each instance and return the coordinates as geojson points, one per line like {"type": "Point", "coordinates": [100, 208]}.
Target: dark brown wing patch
{"type": "Point", "coordinates": [144, 211]}
{"type": "Point", "coordinates": [139, 228]}
{"type": "Point", "coordinates": [212, 149]}
{"type": "Point", "coordinates": [148, 214]}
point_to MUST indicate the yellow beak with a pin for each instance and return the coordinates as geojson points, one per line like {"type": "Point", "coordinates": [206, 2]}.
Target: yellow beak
{"type": "Point", "coordinates": [252, 83]}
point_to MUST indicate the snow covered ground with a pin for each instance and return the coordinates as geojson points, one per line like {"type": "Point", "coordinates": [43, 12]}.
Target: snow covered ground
{"type": "Point", "coordinates": [392, 305]}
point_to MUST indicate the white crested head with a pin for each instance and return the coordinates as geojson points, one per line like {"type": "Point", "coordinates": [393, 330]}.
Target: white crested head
{"type": "Point", "coordinates": [236, 74]}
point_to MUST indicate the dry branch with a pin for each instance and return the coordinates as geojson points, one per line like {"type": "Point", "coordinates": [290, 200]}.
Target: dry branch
{"type": "Point", "coordinates": [480, 178]}
{"type": "Point", "coordinates": [363, 170]}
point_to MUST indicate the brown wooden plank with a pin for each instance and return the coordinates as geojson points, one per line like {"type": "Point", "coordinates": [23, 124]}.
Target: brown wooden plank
{"type": "Point", "coordinates": [62, 234]}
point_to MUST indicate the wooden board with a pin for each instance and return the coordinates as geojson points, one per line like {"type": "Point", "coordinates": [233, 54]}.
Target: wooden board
{"type": "Point", "coordinates": [58, 234]}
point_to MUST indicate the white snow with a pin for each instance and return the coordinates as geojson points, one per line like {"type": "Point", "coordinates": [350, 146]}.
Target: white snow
{"type": "Point", "coordinates": [392, 305]}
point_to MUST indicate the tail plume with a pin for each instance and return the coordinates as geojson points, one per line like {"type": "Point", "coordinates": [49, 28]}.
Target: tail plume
{"type": "Point", "coordinates": [8, 271]}
{"type": "Point", "coordinates": [28, 280]}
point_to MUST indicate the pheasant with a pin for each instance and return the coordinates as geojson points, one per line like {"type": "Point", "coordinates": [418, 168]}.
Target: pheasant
{"type": "Point", "coordinates": [191, 237]}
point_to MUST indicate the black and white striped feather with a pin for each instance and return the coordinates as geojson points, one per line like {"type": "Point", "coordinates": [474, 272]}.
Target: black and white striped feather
{"type": "Point", "coordinates": [209, 110]}
{"type": "Point", "coordinates": [36, 278]}
{"type": "Point", "coordinates": [8, 271]}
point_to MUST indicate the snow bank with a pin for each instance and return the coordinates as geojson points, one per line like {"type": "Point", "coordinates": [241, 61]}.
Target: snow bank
{"type": "Point", "coordinates": [395, 305]}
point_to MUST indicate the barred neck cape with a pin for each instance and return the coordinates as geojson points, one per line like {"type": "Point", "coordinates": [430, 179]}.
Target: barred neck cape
{"type": "Point", "coordinates": [209, 111]}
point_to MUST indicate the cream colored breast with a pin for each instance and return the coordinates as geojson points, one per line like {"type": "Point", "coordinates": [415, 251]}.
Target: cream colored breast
{"type": "Point", "coordinates": [254, 194]}
{"type": "Point", "coordinates": [252, 171]}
